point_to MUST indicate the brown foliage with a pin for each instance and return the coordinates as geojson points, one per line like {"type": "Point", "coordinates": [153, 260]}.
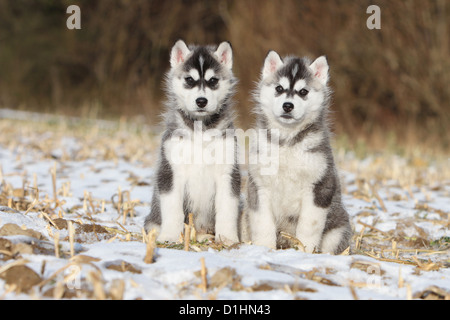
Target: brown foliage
{"type": "Point", "coordinates": [394, 79]}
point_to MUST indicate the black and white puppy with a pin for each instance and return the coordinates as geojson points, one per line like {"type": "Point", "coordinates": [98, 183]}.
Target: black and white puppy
{"type": "Point", "coordinates": [197, 170]}
{"type": "Point", "coordinates": [303, 198]}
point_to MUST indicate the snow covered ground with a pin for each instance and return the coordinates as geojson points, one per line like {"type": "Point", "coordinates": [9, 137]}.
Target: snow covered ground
{"type": "Point", "coordinates": [103, 182]}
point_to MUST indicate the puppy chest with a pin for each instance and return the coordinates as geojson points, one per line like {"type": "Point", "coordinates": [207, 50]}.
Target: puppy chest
{"type": "Point", "coordinates": [285, 192]}
{"type": "Point", "coordinates": [202, 148]}
{"type": "Point", "coordinates": [296, 175]}
{"type": "Point", "coordinates": [300, 166]}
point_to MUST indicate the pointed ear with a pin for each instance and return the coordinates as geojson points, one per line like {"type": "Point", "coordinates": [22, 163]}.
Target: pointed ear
{"type": "Point", "coordinates": [225, 54]}
{"type": "Point", "coordinates": [320, 69]}
{"type": "Point", "coordinates": [179, 53]}
{"type": "Point", "coordinates": [272, 63]}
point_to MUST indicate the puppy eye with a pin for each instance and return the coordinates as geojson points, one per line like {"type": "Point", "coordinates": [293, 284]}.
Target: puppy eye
{"type": "Point", "coordinates": [279, 89]}
{"type": "Point", "coordinates": [213, 81]}
{"type": "Point", "coordinates": [190, 81]}
{"type": "Point", "coordinates": [303, 92]}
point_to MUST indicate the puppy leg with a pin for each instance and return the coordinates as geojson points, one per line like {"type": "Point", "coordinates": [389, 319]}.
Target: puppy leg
{"type": "Point", "coordinates": [336, 240]}
{"type": "Point", "coordinates": [338, 232]}
{"type": "Point", "coordinates": [172, 214]}
{"type": "Point", "coordinates": [227, 207]}
{"type": "Point", "coordinates": [311, 224]}
{"type": "Point", "coordinates": [262, 223]}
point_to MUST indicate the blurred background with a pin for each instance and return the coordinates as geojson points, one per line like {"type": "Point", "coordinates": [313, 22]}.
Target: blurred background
{"type": "Point", "coordinates": [391, 86]}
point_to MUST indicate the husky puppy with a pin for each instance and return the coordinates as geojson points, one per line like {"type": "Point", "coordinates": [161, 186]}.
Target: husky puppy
{"type": "Point", "coordinates": [303, 199]}
{"type": "Point", "coordinates": [199, 113]}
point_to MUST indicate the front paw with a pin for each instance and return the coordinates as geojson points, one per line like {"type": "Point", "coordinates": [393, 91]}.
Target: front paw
{"type": "Point", "coordinates": [267, 242]}
{"type": "Point", "coordinates": [169, 237]}
{"type": "Point", "coordinates": [226, 240]}
{"type": "Point", "coordinates": [309, 246]}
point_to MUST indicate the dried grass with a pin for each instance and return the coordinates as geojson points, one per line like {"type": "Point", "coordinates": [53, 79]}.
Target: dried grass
{"type": "Point", "coordinates": [378, 182]}
{"type": "Point", "coordinates": [150, 239]}
{"type": "Point", "coordinates": [380, 84]}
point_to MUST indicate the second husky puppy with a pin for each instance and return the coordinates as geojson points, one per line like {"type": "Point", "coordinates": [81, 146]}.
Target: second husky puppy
{"type": "Point", "coordinates": [303, 198]}
{"type": "Point", "coordinates": [200, 85]}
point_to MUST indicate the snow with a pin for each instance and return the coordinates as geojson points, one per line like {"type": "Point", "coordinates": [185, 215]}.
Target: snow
{"type": "Point", "coordinates": [290, 274]}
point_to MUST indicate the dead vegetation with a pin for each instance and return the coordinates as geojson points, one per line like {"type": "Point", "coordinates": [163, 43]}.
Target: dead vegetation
{"type": "Point", "coordinates": [379, 183]}
{"type": "Point", "coordinates": [390, 80]}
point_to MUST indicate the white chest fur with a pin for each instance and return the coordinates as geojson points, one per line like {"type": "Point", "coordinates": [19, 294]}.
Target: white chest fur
{"type": "Point", "coordinates": [298, 171]}
{"type": "Point", "coordinates": [201, 163]}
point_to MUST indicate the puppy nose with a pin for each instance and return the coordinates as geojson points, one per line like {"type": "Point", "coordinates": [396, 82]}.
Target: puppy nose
{"type": "Point", "coordinates": [287, 107]}
{"type": "Point", "coordinates": [201, 102]}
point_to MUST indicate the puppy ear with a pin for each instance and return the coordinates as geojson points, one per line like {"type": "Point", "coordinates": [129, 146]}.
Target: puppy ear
{"type": "Point", "coordinates": [320, 69]}
{"type": "Point", "coordinates": [179, 53]}
{"type": "Point", "coordinates": [272, 63]}
{"type": "Point", "coordinates": [225, 54]}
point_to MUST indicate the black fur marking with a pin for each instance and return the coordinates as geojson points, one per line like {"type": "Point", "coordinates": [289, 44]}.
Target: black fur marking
{"type": "Point", "coordinates": [208, 123]}
{"type": "Point", "coordinates": [210, 227]}
{"type": "Point", "coordinates": [208, 62]}
{"type": "Point", "coordinates": [303, 72]}
{"type": "Point", "coordinates": [201, 83]}
{"type": "Point", "coordinates": [326, 188]}
{"type": "Point", "coordinates": [252, 194]}
{"type": "Point", "coordinates": [338, 218]}
{"type": "Point", "coordinates": [186, 207]}
{"type": "Point", "coordinates": [165, 174]}
{"type": "Point", "coordinates": [292, 220]}
{"type": "Point", "coordinates": [188, 121]}
{"type": "Point", "coordinates": [168, 133]}
{"type": "Point", "coordinates": [323, 147]}
{"type": "Point", "coordinates": [212, 121]}
{"type": "Point", "coordinates": [155, 212]}
{"type": "Point", "coordinates": [190, 86]}
{"type": "Point", "coordinates": [203, 59]}
{"type": "Point", "coordinates": [263, 123]}
{"type": "Point", "coordinates": [312, 128]}
{"type": "Point", "coordinates": [236, 180]}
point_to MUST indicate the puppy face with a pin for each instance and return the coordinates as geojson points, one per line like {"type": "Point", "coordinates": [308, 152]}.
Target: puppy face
{"type": "Point", "coordinates": [292, 91]}
{"type": "Point", "coordinates": [201, 78]}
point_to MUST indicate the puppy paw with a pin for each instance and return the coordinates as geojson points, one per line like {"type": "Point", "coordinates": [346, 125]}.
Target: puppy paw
{"type": "Point", "coordinates": [225, 240]}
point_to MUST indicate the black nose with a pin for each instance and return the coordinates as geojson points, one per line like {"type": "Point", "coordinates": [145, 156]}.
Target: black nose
{"type": "Point", "coordinates": [287, 107]}
{"type": "Point", "coordinates": [201, 102]}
